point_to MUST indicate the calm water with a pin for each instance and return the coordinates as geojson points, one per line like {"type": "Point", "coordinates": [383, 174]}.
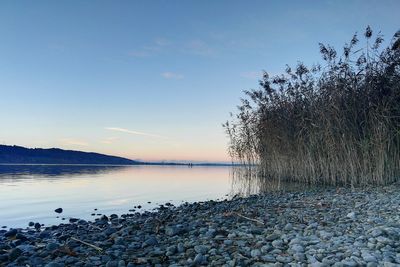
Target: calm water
{"type": "Point", "coordinates": [31, 193]}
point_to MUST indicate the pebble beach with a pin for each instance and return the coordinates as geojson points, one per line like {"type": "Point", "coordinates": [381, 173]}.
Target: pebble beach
{"type": "Point", "coordinates": [315, 227]}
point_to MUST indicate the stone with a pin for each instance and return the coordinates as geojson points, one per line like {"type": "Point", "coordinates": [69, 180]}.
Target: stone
{"type": "Point", "coordinates": [58, 210]}
{"type": "Point", "coordinates": [73, 220]}
{"type": "Point", "coordinates": [54, 264]}
{"type": "Point", "coordinates": [199, 259]}
{"type": "Point", "coordinates": [151, 241]}
{"type": "Point", "coordinates": [277, 243]}
{"type": "Point", "coordinates": [14, 254]}
{"type": "Point", "coordinates": [255, 253]}
{"type": "Point", "coordinates": [52, 246]}
{"type": "Point", "coordinates": [272, 237]}
{"type": "Point", "coordinates": [201, 249]}
{"type": "Point", "coordinates": [284, 259]}
{"type": "Point", "coordinates": [351, 215]}
{"type": "Point", "coordinates": [37, 226]}
{"type": "Point", "coordinates": [11, 233]}
{"type": "Point", "coordinates": [173, 230]}
{"type": "Point", "coordinates": [112, 263]}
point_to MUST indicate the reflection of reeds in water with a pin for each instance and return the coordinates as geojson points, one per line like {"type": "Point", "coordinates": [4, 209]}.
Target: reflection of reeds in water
{"type": "Point", "coordinates": [248, 181]}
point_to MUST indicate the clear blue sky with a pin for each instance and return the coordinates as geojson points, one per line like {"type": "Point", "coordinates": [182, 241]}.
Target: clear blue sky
{"type": "Point", "coordinates": [154, 80]}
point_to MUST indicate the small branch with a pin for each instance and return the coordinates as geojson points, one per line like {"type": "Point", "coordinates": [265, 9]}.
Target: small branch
{"type": "Point", "coordinates": [247, 218]}
{"type": "Point", "coordinates": [96, 227]}
{"type": "Point", "coordinates": [88, 244]}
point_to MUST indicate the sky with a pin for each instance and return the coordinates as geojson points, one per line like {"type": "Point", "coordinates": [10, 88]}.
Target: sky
{"type": "Point", "coordinates": [155, 80]}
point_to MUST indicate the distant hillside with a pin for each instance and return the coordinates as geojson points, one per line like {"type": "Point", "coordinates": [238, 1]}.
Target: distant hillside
{"type": "Point", "coordinates": [22, 155]}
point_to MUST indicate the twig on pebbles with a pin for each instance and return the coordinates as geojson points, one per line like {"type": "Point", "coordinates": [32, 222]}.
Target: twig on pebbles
{"type": "Point", "coordinates": [247, 218]}
{"type": "Point", "coordinates": [96, 227]}
{"type": "Point", "coordinates": [88, 244]}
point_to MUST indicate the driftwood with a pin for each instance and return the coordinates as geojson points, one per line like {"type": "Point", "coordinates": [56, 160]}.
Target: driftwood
{"type": "Point", "coordinates": [244, 217]}
{"type": "Point", "coordinates": [96, 227]}
{"type": "Point", "coordinates": [88, 244]}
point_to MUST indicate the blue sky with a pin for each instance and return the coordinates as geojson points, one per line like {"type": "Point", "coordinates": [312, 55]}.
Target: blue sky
{"type": "Point", "coordinates": [154, 80]}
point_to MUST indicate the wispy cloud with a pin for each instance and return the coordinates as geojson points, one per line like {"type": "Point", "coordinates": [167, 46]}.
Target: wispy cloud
{"type": "Point", "coordinates": [163, 46]}
{"type": "Point", "coordinates": [149, 50]}
{"type": "Point", "coordinates": [252, 75]}
{"type": "Point", "coordinates": [74, 142]}
{"type": "Point", "coordinates": [199, 47]}
{"type": "Point", "coordinates": [162, 42]}
{"type": "Point", "coordinates": [172, 75]}
{"type": "Point", "coordinates": [109, 140]}
{"type": "Point", "coordinates": [122, 130]}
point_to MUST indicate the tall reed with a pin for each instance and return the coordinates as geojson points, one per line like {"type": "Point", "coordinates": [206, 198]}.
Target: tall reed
{"type": "Point", "coordinates": [335, 123]}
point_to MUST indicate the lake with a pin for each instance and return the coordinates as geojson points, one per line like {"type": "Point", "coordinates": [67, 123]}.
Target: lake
{"type": "Point", "coordinates": [33, 192]}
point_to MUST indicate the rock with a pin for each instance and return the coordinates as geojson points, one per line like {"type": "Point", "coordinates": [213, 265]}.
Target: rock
{"type": "Point", "coordinates": [349, 263]}
{"type": "Point", "coordinates": [27, 248]}
{"type": "Point", "coordinates": [351, 215]}
{"type": "Point", "coordinates": [325, 235]}
{"type": "Point", "coordinates": [299, 257]}
{"type": "Point", "coordinates": [201, 249]}
{"type": "Point", "coordinates": [228, 242]}
{"type": "Point", "coordinates": [112, 263]}
{"type": "Point", "coordinates": [31, 224]}
{"type": "Point", "coordinates": [54, 264]}
{"type": "Point", "coordinates": [58, 210]}
{"type": "Point", "coordinates": [151, 241]}
{"type": "Point", "coordinates": [4, 258]}
{"type": "Point", "coordinates": [180, 248]}
{"type": "Point", "coordinates": [81, 222]}
{"type": "Point", "coordinates": [268, 258]}
{"type": "Point", "coordinates": [288, 227]}
{"type": "Point", "coordinates": [14, 254]}
{"type": "Point", "coordinates": [73, 220]}
{"type": "Point", "coordinates": [199, 259]}
{"type": "Point", "coordinates": [21, 237]}
{"type": "Point", "coordinates": [211, 233]}
{"type": "Point", "coordinates": [11, 233]}
{"type": "Point", "coordinates": [368, 257]}
{"type": "Point", "coordinates": [376, 232]}
{"type": "Point", "coordinates": [255, 253]}
{"type": "Point", "coordinates": [173, 230]}
{"type": "Point", "coordinates": [296, 248]}
{"type": "Point", "coordinates": [171, 250]}
{"type": "Point", "coordinates": [277, 243]}
{"type": "Point", "coordinates": [104, 218]}
{"type": "Point", "coordinates": [37, 226]}
{"type": "Point", "coordinates": [52, 246]}
{"type": "Point", "coordinates": [272, 237]}
{"type": "Point", "coordinates": [284, 259]}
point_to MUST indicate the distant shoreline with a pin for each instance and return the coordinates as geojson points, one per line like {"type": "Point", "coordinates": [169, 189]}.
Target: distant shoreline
{"type": "Point", "coordinates": [121, 165]}
{"type": "Point", "coordinates": [18, 155]}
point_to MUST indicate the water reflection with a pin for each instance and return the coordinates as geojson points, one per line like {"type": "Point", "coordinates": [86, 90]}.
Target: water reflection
{"type": "Point", "coordinates": [31, 193]}
{"type": "Point", "coordinates": [47, 171]}
{"type": "Point", "coordinates": [248, 181]}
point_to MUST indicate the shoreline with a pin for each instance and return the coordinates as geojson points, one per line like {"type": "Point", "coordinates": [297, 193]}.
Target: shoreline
{"type": "Point", "coordinates": [316, 227]}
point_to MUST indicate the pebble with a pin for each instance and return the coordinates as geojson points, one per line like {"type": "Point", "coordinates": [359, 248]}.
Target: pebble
{"type": "Point", "coordinates": [58, 210]}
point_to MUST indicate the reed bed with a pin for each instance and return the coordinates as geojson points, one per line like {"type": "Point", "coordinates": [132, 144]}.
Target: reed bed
{"type": "Point", "coordinates": [335, 123]}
